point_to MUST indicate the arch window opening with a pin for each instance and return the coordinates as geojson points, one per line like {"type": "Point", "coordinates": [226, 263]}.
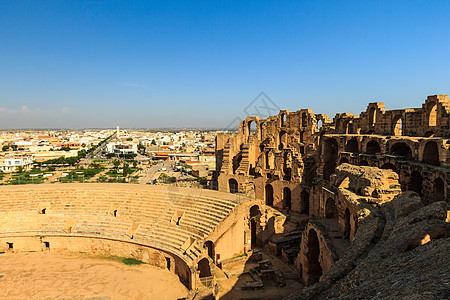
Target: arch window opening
{"type": "Point", "coordinates": [432, 115]}
{"type": "Point", "coordinates": [269, 195]}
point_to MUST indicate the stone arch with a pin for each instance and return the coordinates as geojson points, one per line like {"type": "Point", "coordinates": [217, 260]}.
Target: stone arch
{"type": "Point", "coordinates": [233, 185]}
{"type": "Point", "coordinates": [372, 116]}
{"type": "Point", "coordinates": [304, 202]}
{"type": "Point", "coordinates": [347, 225]}
{"type": "Point", "coordinates": [304, 120]}
{"type": "Point", "coordinates": [389, 166]}
{"type": "Point", "coordinates": [283, 140]}
{"type": "Point", "coordinates": [415, 183]}
{"type": "Point", "coordinates": [283, 120]}
{"type": "Point", "coordinates": [432, 114]}
{"type": "Point", "coordinates": [429, 133]}
{"type": "Point", "coordinates": [343, 160]}
{"type": "Point", "coordinates": [287, 198]}
{"type": "Point", "coordinates": [269, 195]}
{"type": "Point", "coordinates": [267, 159]}
{"type": "Point", "coordinates": [363, 163]}
{"type": "Point", "coordinates": [209, 245]}
{"type": "Point", "coordinates": [254, 211]}
{"type": "Point", "coordinates": [253, 232]}
{"type": "Point", "coordinates": [438, 190]}
{"type": "Point", "coordinates": [314, 267]}
{"type": "Point", "coordinates": [373, 147]}
{"type": "Point", "coordinates": [352, 146]}
{"type": "Point", "coordinates": [398, 126]}
{"type": "Point", "coordinates": [319, 124]}
{"type": "Point", "coordinates": [401, 149]}
{"type": "Point", "coordinates": [331, 211]}
{"type": "Point", "coordinates": [252, 127]}
{"type": "Point", "coordinates": [330, 157]}
{"type": "Point", "coordinates": [203, 268]}
{"type": "Point", "coordinates": [431, 154]}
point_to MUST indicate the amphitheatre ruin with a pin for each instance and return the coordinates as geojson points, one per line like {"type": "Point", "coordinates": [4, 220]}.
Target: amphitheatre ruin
{"type": "Point", "coordinates": [306, 207]}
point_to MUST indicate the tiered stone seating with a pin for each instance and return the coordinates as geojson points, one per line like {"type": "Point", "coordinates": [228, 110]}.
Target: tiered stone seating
{"type": "Point", "coordinates": [92, 207]}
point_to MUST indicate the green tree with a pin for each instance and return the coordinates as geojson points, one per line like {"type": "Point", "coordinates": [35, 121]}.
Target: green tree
{"type": "Point", "coordinates": [129, 139]}
{"type": "Point", "coordinates": [135, 163]}
{"type": "Point", "coordinates": [20, 169]}
{"type": "Point", "coordinates": [5, 148]}
{"type": "Point", "coordinates": [116, 163]}
{"type": "Point", "coordinates": [153, 142]}
{"type": "Point", "coordinates": [125, 170]}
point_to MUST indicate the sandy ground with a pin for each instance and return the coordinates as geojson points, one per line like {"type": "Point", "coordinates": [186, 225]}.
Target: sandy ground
{"type": "Point", "coordinates": [50, 275]}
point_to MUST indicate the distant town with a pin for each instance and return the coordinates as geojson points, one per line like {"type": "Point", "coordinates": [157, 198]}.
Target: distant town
{"type": "Point", "coordinates": [184, 157]}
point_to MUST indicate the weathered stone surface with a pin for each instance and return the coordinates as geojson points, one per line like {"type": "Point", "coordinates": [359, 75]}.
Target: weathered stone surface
{"type": "Point", "coordinates": [406, 203]}
{"type": "Point", "coordinates": [410, 262]}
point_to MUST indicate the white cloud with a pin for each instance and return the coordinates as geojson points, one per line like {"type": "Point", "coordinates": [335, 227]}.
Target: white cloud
{"type": "Point", "coordinates": [25, 108]}
{"type": "Point", "coordinates": [67, 109]}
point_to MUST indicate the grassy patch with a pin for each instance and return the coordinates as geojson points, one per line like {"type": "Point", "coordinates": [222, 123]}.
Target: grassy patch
{"type": "Point", "coordinates": [131, 261]}
{"type": "Point", "coordinates": [2, 252]}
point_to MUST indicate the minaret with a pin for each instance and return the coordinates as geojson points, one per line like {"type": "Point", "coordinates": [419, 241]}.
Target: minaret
{"type": "Point", "coordinates": [117, 132]}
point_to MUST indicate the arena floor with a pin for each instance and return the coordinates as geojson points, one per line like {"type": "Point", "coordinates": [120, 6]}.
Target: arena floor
{"type": "Point", "coordinates": [50, 275]}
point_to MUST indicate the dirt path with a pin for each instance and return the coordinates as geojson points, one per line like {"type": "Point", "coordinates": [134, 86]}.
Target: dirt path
{"type": "Point", "coordinates": [6, 177]}
{"type": "Point", "coordinates": [50, 275]}
{"type": "Point", "coordinates": [94, 179]}
{"type": "Point", "coordinates": [54, 177]}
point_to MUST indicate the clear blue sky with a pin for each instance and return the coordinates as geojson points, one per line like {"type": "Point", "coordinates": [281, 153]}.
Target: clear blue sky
{"type": "Point", "coordinates": [199, 63]}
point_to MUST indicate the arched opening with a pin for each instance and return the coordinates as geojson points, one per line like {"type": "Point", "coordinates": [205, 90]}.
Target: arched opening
{"type": "Point", "coordinates": [252, 128]}
{"type": "Point", "coordinates": [115, 213]}
{"type": "Point", "coordinates": [168, 263]}
{"type": "Point", "coordinates": [211, 249]}
{"type": "Point", "coordinates": [343, 160]}
{"type": "Point", "coordinates": [267, 160]}
{"type": "Point", "coordinates": [350, 127]}
{"type": "Point", "coordinates": [233, 185]}
{"type": "Point", "coordinates": [373, 147]}
{"type": "Point", "coordinates": [347, 226]}
{"type": "Point", "coordinates": [269, 195]}
{"type": "Point", "coordinates": [352, 146]}
{"type": "Point", "coordinates": [319, 124]}
{"type": "Point", "coordinates": [283, 140]}
{"type": "Point", "coordinates": [304, 202]}
{"type": "Point", "coordinates": [415, 183]}
{"type": "Point", "coordinates": [401, 149]}
{"type": "Point", "coordinates": [432, 114]}
{"type": "Point", "coordinates": [302, 136]}
{"type": "Point", "coordinates": [287, 198]}
{"type": "Point", "coordinates": [439, 190]}
{"type": "Point", "coordinates": [304, 120]}
{"type": "Point", "coordinates": [44, 210]}
{"type": "Point", "coordinates": [431, 154]}
{"type": "Point", "coordinates": [254, 211]}
{"type": "Point", "coordinates": [283, 120]}
{"type": "Point", "coordinates": [389, 166]}
{"type": "Point", "coordinates": [372, 116]}
{"type": "Point", "coordinates": [331, 211]}
{"type": "Point", "coordinates": [315, 269]}
{"type": "Point", "coordinates": [398, 125]}
{"type": "Point", "coordinates": [363, 163]}
{"type": "Point", "coordinates": [203, 268]}
{"type": "Point", "coordinates": [330, 157]}
{"type": "Point", "coordinates": [429, 134]}
{"type": "Point", "coordinates": [253, 232]}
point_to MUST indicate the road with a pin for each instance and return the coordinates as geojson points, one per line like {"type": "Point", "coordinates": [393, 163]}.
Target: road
{"type": "Point", "coordinates": [150, 173]}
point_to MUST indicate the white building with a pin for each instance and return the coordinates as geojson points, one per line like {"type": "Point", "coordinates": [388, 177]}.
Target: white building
{"type": "Point", "coordinates": [12, 163]}
{"type": "Point", "coordinates": [117, 148]}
